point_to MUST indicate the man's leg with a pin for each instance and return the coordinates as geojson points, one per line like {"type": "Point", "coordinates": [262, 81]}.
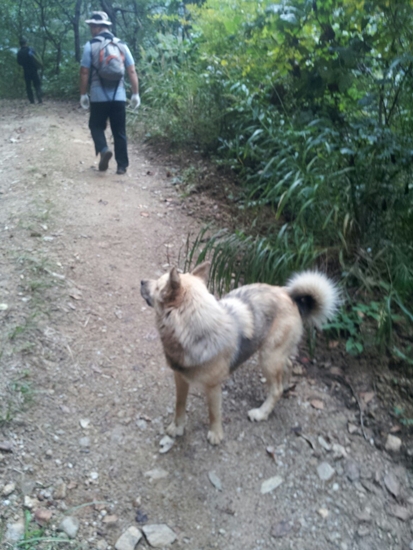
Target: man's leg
{"type": "Point", "coordinates": [99, 112]}
{"type": "Point", "coordinates": [29, 90]}
{"type": "Point", "coordinates": [38, 87]}
{"type": "Point", "coordinates": [118, 125]}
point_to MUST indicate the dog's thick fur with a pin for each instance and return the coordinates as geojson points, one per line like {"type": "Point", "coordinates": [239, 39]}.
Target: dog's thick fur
{"type": "Point", "coordinates": [205, 339]}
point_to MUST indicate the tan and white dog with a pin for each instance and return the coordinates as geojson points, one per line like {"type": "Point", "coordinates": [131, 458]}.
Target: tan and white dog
{"type": "Point", "coordinates": [205, 339]}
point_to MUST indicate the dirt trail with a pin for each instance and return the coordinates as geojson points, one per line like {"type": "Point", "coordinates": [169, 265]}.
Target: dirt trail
{"type": "Point", "coordinates": [85, 393]}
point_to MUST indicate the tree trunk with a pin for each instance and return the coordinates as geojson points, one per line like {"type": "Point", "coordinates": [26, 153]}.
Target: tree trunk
{"type": "Point", "coordinates": [76, 20]}
{"type": "Point", "coordinates": [108, 8]}
{"type": "Point", "coordinates": [58, 57]}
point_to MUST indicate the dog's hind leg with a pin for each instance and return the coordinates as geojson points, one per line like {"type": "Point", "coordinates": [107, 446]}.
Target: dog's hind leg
{"type": "Point", "coordinates": [214, 399]}
{"type": "Point", "coordinates": [177, 426]}
{"type": "Point", "coordinates": [273, 367]}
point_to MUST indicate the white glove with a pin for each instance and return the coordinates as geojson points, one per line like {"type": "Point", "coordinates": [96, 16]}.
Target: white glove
{"type": "Point", "coordinates": [84, 101]}
{"type": "Point", "coordinates": [135, 101]}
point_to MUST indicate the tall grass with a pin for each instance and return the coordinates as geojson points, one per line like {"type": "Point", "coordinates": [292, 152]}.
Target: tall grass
{"type": "Point", "coordinates": [241, 259]}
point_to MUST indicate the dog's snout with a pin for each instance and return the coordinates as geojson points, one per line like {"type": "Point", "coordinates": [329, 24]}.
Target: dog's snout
{"type": "Point", "coordinates": [145, 293]}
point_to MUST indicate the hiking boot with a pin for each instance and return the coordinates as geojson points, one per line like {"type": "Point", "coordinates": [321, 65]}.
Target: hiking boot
{"type": "Point", "coordinates": [105, 156]}
{"type": "Point", "coordinates": [120, 171]}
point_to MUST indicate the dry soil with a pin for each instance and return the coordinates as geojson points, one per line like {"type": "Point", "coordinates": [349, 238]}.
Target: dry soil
{"type": "Point", "coordinates": [85, 392]}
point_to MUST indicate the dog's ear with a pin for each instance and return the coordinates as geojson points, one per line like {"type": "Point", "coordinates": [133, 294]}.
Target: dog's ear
{"type": "Point", "coordinates": [174, 279]}
{"type": "Point", "coordinates": [172, 287]}
{"type": "Point", "coordinates": [202, 271]}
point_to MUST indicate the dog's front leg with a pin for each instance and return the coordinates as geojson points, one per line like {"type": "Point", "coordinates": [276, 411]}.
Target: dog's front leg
{"type": "Point", "coordinates": [177, 426]}
{"type": "Point", "coordinates": [214, 399]}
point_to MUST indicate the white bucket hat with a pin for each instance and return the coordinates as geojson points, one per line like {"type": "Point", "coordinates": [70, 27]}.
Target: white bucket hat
{"type": "Point", "coordinates": [99, 18]}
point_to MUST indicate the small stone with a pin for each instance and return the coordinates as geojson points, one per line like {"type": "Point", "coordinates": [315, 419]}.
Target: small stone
{"type": "Point", "coordinates": [393, 443]}
{"type": "Point", "coordinates": [14, 531]}
{"type": "Point", "coordinates": [166, 444]}
{"type": "Point", "coordinates": [110, 520]}
{"type": "Point", "coordinates": [333, 537]}
{"type": "Point", "coordinates": [353, 429]}
{"type": "Point", "coordinates": [84, 442]}
{"type": "Point", "coordinates": [323, 512]}
{"type": "Point", "coordinates": [363, 531]}
{"type": "Point", "coordinates": [30, 503]}
{"type": "Point", "coordinates": [156, 474]}
{"type": "Point", "coordinates": [142, 425]}
{"type": "Point", "coordinates": [352, 471]}
{"type": "Point", "coordinates": [214, 479]}
{"type": "Point", "coordinates": [60, 492]}
{"type": "Point", "coordinates": [326, 446]}
{"type": "Point", "coordinates": [325, 471]}
{"type": "Point", "coordinates": [141, 517]}
{"type": "Point", "coordinates": [392, 484]}
{"type": "Point", "coordinates": [298, 370]}
{"type": "Point", "coordinates": [339, 451]}
{"type": "Point", "coordinates": [42, 516]}
{"type": "Point", "coordinates": [159, 535]}
{"type": "Point", "coordinates": [6, 447]}
{"type": "Point", "coordinates": [137, 501]}
{"type": "Point", "coordinates": [8, 489]}
{"type": "Point", "coordinates": [364, 515]}
{"type": "Point", "coordinates": [84, 423]}
{"type": "Point", "coordinates": [282, 529]}
{"type": "Point", "coordinates": [270, 484]}
{"type": "Point", "coordinates": [129, 539]}
{"type": "Point", "coordinates": [70, 525]}
{"type": "Point", "coordinates": [400, 512]}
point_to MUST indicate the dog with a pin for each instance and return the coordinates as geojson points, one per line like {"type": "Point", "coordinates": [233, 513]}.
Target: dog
{"type": "Point", "coordinates": [206, 339]}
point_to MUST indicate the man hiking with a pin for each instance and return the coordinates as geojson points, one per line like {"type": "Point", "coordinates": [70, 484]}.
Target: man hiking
{"type": "Point", "coordinates": [30, 61]}
{"type": "Point", "coordinates": [104, 60]}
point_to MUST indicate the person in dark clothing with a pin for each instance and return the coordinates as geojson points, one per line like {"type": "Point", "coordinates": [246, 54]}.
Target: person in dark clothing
{"type": "Point", "coordinates": [27, 58]}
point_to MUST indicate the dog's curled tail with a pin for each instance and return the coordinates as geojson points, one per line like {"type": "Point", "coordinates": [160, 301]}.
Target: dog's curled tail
{"type": "Point", "coordinates": [316, 296]}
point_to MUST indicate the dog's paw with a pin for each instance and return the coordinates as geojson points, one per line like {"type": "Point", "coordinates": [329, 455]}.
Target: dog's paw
{"type": "Point", "coordinates": [215, 437]}
{"type": "Point", "coordinates": [175, 431]}
{"type": "Point", "coordinates": [256, 415]}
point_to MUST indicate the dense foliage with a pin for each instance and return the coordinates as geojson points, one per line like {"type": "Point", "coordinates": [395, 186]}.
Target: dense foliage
{"type": "Point", "coordinates": [308, 102]}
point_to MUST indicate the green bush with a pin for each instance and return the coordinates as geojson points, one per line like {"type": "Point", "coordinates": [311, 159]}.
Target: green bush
{"type": "Point", "coordinates": [64, 85]}
{"type": "Point", "coordinates": [177, 103]}
{"type": "Point", "coordinates": [12, 84]}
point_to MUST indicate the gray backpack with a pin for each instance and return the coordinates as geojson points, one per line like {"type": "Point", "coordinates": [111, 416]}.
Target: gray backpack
{"type": "Point", "coordinates": [108, 59]}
